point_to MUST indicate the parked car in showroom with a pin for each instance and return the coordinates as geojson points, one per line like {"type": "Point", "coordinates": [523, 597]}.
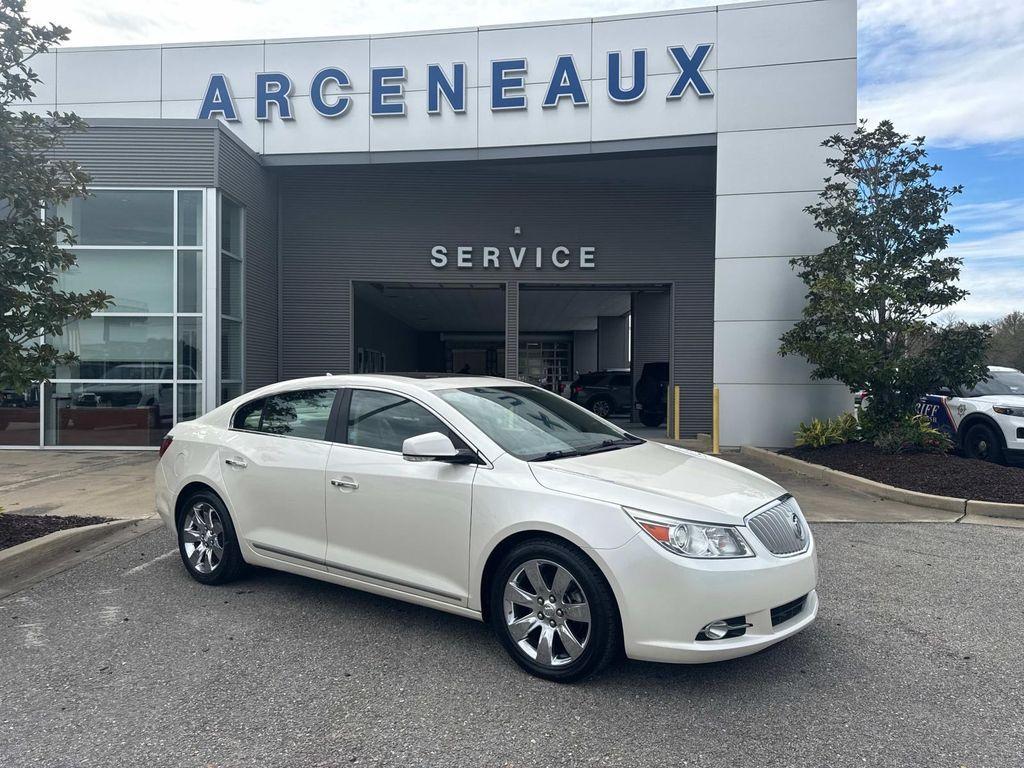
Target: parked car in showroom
{"type": "Point", "coordinates": [604, 392]}
{"type": "Point", "coordinates": [498, 501]}
{"type": "Point", "coordinates": [985, 421]}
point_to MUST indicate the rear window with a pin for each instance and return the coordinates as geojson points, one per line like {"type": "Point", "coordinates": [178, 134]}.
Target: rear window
{"type": "Point", "coordinates": [302, 413]}
{"type": "Point", "coordinates": [248, 416]}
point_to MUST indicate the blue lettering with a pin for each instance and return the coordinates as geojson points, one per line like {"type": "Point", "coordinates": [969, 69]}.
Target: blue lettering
{"type": "Point", "coordinates": [217, 100]}
{"type": "Point", "coordinates": [385, 93]}
{"type": "Point", "coordinates": [438, 85]}
{"type": "Point", "coordinates": [316, 91]}
{"type": "Point", "coordinates": [689, 70]}
{"type": "Point", "coordinates": [565, 81]}
{"type": "Point", "coordinates": [506, 75]}
{"type": "Point", "coordinates": [276, 88]}
{"type": "Point", "coordinates": [615, 90]}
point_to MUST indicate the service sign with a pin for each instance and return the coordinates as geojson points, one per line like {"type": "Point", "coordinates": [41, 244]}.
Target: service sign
{"type": "Point", "coordinates": [447, 87]}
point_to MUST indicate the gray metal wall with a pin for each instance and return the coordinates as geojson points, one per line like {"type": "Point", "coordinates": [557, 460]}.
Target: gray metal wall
{"type": "Point", "coordinates": [340, 224]}
{"type": "Point", "coordinates": [242, 177]}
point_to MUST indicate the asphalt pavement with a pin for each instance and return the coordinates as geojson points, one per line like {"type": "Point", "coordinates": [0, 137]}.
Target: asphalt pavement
{"type": "Point", "coordinates": [123, 660]}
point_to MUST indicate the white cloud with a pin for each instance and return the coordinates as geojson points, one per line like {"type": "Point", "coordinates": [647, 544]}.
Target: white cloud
{"type": "Point", "coordinates": [946, 69]}
{"type": "Point", "coordinates": [994, 292]}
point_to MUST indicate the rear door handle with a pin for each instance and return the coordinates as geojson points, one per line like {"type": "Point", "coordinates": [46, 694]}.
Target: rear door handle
{"type": "Point", "coordinates": [344, 483]}
{"type": "Point", "coordinates": [236, 463]}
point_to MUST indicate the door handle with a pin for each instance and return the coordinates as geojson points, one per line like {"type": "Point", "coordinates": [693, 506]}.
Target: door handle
{"type": "Point", "coordinates": [348, 484]}
{"type": "Point", "coordinates": [236, 463]}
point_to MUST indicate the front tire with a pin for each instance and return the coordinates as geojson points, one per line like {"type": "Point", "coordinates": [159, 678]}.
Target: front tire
{"type": "Point", "coordinates": [206, 540]}
{"type": "Point", "coordinates": [554, 612]}
{"type": "Point", "coordinates": [981, 442]}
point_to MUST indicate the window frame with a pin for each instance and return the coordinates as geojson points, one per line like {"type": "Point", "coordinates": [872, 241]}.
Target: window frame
{"type": "Point", "coordinates": [340, 433]}
{"type": "Point", "coordinates": [329, 430]}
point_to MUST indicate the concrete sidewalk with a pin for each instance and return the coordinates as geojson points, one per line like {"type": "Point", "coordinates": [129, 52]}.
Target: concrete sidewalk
{"type": "Point", "coordinates": [114, 484]}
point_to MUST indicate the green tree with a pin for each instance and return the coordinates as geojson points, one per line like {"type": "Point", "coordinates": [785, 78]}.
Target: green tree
{"type": "Point", "coordinates": [31, 256]}
{"type": "Point", "coordinates": [872, 294]}
{"type": "Point", "coordinates": [1007, 346]}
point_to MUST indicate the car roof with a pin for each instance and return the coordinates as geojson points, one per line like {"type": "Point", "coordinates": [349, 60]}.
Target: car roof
{"type": "Point", "coordinates": [1002, 369]}
{"type": "Point", "coordinates": [407, 381]}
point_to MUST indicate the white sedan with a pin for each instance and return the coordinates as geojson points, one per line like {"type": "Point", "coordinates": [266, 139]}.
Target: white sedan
{"type": "Point", "coordinates": [497, 501]}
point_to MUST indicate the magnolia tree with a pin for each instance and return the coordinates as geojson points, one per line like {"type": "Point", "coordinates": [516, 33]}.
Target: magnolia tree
{"type": "Point", "coordinates": [873, 293]}
{"type": "Point", "coordinates": [31, 257]}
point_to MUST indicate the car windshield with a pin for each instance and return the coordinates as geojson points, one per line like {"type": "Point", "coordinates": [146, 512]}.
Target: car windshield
{"type": "Point", "coordinates": [999, 383]}
{"type": "Point", "coordinates": [534, 424]}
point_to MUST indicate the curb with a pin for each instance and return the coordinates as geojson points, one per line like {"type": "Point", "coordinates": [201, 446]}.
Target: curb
{"type": "Point", "coordinates": [34, 560]}
{"type": "Point", "coordinates": [889, 492]}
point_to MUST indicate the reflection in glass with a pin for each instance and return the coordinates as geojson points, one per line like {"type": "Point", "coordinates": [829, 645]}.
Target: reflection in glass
{"type": "Point", "coordinates": [19, 417]}
{"type": "Point", "coordinates": [190, 404]}
{"type": "Point", "coordinates": [121, 217]}
{"type": "Point", "coordinates": [139, 281]}
{"type": "Point", "coordinates": [230, 391]}
{"type": "Point", "coordinates": [230, 286]}
{"type": "Point", "coordinates": [230, 350]}
{"type": "Point", "coordinates": [190, 218]}
{"type": "Point", "coordinates": [190, 281]}
{"type": "Point", "coordinates": [107, 414]}
{"type": "Point", "coordinates": [117, 347]}
{"type": "Point", "coordinates": [230, 227]}
{"type": "Point", "coordinates": [190, 347]}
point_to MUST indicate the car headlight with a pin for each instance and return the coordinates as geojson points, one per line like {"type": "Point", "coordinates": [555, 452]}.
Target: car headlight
{"type": "Point", "coordinates": [1008, 410]}
{"type": "Point", "coordinates": [692, 539]}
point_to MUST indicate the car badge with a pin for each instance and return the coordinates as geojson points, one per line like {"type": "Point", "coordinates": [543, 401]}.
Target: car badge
{"type": "Point", "coordinates": [797, 528]}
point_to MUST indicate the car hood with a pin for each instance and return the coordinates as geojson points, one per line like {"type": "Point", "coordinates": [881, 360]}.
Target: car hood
{"type": "Point", "coordinates": [662, 479]}
{"type": "Point", "coordinates": [1014, 400]}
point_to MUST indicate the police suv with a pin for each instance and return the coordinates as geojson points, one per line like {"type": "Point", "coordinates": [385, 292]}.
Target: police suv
{"type": "Point", "coordinates": [986, 421]}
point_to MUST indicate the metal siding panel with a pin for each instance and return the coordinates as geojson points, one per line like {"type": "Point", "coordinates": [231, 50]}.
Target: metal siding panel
{"type": "Point", "coordinates": [243, 178]}
{"type": "Point", "coordinates": [153, 156]}
{"type": "Point", "coordinates": [379, 223]}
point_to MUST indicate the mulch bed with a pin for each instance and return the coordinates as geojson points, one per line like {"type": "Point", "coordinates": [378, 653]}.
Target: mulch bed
{"type": "Point", "coordinates": [17, 529]}
{"type": "Point", "coordinates": [939, 474]}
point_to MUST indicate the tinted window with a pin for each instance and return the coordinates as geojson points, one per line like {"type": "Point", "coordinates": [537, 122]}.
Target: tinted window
{"type": "Point", "coordinates": [303, 413]}
{"type": "Point", "coordinates": [621, 380]}
{"type": "Point", "coordinates": [248, 416]}
{"type": "Point", "coordinates": [385, 421]}
{"type": "Point", "coordinates": [999, 383]}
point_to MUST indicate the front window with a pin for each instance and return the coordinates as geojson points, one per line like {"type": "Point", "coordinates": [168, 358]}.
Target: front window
{"type": "Point", "coordinates": [998, 383]}
{"type": "Point", "coordinates": [534, 424]}
{"type": "Point", "coordinates": [385, 421]}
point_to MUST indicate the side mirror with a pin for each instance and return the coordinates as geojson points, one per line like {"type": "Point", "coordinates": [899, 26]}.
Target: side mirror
{"type": "Point", "coordinates": [433, 446]}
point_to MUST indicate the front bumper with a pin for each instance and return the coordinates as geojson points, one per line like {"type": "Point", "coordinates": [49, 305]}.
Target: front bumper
{"type": "Point", "coordinates": [665, 599]}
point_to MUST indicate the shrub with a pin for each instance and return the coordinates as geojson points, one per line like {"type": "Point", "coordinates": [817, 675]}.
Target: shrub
{"type": "Point", "coordinates": [913, 434]}
{"type": "Point", "coordinates": [818, 434]}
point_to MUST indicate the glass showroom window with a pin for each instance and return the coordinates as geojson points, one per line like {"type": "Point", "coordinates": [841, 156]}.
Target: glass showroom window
{"type": "Point", "coordinates": [232, 299]}
{"type": "Point", "coordinates": [140, 366]}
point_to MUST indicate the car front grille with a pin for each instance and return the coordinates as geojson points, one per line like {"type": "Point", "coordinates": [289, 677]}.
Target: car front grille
{"type": "Point", "coordinates": [788, 611]}
{"type": "Point", "coordinates": [781, 528]}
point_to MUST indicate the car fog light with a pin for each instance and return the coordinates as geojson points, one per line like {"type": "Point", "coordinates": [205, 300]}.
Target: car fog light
{"type": "Point", "coordinates": [716, 630]}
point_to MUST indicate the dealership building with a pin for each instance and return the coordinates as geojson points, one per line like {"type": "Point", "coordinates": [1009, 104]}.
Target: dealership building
{"type": "Point", "coordinates": [531, 201]}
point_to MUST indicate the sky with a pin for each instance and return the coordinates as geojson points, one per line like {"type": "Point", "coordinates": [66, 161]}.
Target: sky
{"type": "Point", "coordinates": [945, 69]}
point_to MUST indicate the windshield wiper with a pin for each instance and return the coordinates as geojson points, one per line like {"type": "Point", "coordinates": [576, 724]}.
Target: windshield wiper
{"type": "Point", "coordinates": [561, 454]}
{"type": "Point", "coordinates": [610, 445]}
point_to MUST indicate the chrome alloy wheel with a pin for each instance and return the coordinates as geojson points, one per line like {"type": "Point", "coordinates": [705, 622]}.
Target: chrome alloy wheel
{"type": "Point", "coordinates": [203, 537]}
{"type": "Point", "coordinates": [547, 613]}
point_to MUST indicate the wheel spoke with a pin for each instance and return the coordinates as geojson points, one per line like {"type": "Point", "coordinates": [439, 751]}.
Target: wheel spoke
{"type": "Point", "coordinates": [197, 556]}
{"type": "Point", "coordinates": [560, 583]}
{"type": "Point", "coordinates": [218, 528]}
{"type": "Point", "coordinates": [190, 536]}
{"type": "Point", "coordinates": [521, 627]}
{"type": "Point", "coordinates": [536, 580]}
{"type": "Point", "coordinates": [515, 595]}
{"type": "Point", "coordinates": [572, 645]}
{"type": "Point", "coordinates": [544, 649]}
{"type": "Point", "coordinates": [577, 612]}
{"type": "Point", "coordinates": [218, 550]}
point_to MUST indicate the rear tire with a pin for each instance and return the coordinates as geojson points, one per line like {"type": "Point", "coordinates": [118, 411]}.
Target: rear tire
{"type": "Point", "coordinates": [206, 540]}
{"type": "Point", "coordinates": [601, 406]}
{"type": "Point", "coordinates": [649, 419]}
{"type": "Point", "coordinates": [982, 443]}
{"type": "Point", "coordinates": [566, 627]}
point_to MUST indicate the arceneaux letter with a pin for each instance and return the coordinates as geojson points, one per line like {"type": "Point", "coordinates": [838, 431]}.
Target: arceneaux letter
{"type": "Point", "coordinates": [615, 90]}
{"type": "Point", "coordinates": [217, 100]}
{"type": "Point", "coordinates": [689, 70]}
{"type": "Point", "coordinates": [565, 81]}
{"type": "Point", "coordinates": [273, 87]}
{"type": "Point", "coordinates": [438, 85]}
{"type": "Point", "coordinates": [316, 91]}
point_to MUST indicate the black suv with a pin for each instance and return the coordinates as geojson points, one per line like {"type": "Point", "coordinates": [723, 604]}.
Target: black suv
{"type": "Point", "coordinates": [652, 393]}
{"type": "Point", "coordinates": [604, 392]}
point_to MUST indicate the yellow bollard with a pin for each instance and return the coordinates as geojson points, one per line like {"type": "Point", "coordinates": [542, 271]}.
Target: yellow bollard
{"type": "Point", "coordinates": [676, 419]}
{"type": "Point", "coordinates": [714, 422]}
{"type": "Point", "coordinates": [668, 412]}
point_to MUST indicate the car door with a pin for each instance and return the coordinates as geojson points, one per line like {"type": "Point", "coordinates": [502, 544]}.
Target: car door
{"type": "Point", "coordinates": [396, 523]}
{"type": "Point", "coordinates": [273, 463]}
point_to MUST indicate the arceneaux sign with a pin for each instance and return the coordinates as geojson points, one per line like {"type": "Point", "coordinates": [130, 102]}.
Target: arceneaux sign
{"type": "Point", "coordinates": [517, 257]}
{"type": "Point", "coordinates": [508, 86]}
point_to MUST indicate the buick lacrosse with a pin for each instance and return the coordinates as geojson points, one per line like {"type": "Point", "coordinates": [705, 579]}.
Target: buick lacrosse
{"type": "Point", "coordinates": [498, 501]}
